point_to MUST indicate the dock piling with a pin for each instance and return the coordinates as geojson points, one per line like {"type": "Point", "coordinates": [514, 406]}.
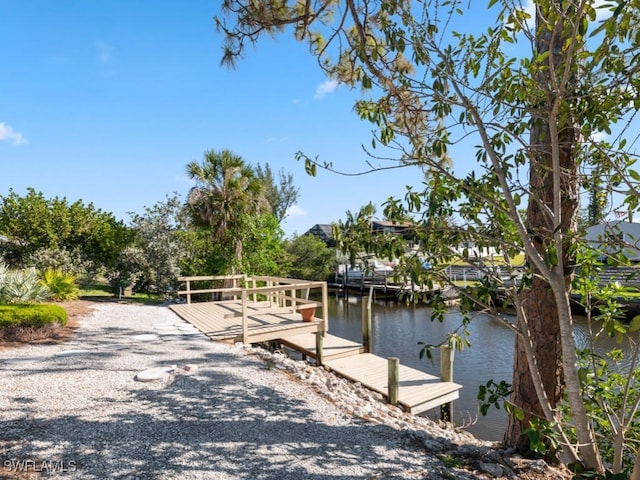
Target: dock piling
{"type": "Point", "coordinates": [394, 380]}
{"type": "Point", "coordinates": [366, 321]}
{"type": "Point", "coordinates": [446, 375]}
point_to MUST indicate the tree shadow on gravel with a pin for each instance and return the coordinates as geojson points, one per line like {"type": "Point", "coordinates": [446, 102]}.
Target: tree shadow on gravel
{"type": "Point", "coordinates": [216, 424]}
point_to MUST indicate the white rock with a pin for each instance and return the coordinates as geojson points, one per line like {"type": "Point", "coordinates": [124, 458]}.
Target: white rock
{"type": "Point", "coordinates": [34, 358]}
{"type": "Point", "coordinates": [146, 337]}
{"type": "Point", "coordinates": [155, 373]}
{"type": "Point", "coordinates": [70, 353]}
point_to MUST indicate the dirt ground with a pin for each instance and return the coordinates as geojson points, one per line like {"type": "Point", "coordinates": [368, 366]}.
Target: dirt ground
{"type": "Point", "coordinates": [16, 337]}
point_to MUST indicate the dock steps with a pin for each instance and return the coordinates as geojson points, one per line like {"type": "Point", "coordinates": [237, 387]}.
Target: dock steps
{"type": "Point", "coordinates": [333, 347]}
{"type": "Point", "coordinates": [418, 393]}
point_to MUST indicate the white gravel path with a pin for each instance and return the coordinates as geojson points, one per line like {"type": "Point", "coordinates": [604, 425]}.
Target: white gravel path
{"type": "Point", "coordinates": [76, 410]}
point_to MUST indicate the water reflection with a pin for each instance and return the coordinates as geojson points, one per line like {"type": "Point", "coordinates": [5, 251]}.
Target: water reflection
{"type": "Point", "coordinates": [397, 329]}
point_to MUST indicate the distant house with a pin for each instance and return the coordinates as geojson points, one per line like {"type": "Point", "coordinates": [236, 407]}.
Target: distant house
{"type": "Point", "coordinates": [385, 226]}
{"type": "Point", "coordinates": [324, 232]}
{"type": "Point", "coordinates": [615, 236]}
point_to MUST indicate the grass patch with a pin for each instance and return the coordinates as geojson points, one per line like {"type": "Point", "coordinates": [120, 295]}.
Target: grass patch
{"type": "Point", "coordinates": [103, 291]}
{"type": "Point", "coordinates": [144, 299]}
{"type": "Point", "coordinates": [96, 289]}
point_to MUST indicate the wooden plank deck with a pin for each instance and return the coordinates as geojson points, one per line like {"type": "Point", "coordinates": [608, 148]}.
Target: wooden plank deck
{"type": "Point", "coordinates": [223, 320]}
{"type": "Point", "coordinates": [333, 347]}
{"type": "Point", "coordinates": [418, 393]}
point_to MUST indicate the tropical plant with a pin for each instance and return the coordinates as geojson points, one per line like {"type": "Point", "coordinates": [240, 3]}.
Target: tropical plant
{"type": "Point", "coordinates": [62, 286]}
{"type": "Point", "coordinates": [226, 196]}
{"type": "Point", "coordinates": [21, 286]}
{"type": "Point", "coordinates": [534, 96]}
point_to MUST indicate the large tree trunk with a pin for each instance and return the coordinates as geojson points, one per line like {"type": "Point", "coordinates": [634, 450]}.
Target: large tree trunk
{"type": "Point", "coordinates": [540, 308]}
{"type": "Point", "coordinates": [551, 215]}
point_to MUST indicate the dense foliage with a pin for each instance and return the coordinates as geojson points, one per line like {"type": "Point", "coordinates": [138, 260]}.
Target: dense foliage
{"type": "Point", "coordinates": [152, 262]}
{"type": "Point", "coordinates": [310, 258]}
{"type": "Point", "coordinates": [229, 222]}
{"type": "Point", "coordinates": [32, 223]}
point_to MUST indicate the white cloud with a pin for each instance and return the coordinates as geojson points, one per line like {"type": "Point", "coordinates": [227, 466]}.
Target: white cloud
{"type": "Point", "coordinates": [598, 137]}
{"type": "Point", "coordinates": [105, 52]}
{"type": "Point", "coordinates": [296, 211]}
{"type": "Point", "coordinates": [9, 134]}
{"type": "Point", "coordinates": [529, 6]}
{"type": "Point", "coordinates": [105, 58]}
{"type": "Point", "coordinates": [327, 87]}
{"type": "Point", "coordinates": [277, 139]}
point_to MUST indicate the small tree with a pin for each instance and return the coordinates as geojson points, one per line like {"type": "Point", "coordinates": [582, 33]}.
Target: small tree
{"type": "Point", "coordinates": [282, 194]}
{"type": "Point", "coordinates": [159, 239]}
{"type": "Point", "coordinates": [310, 258]}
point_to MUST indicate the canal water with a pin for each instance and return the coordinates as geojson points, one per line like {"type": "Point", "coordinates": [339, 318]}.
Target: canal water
{"type": "Point", "coordinates": [398, 328]}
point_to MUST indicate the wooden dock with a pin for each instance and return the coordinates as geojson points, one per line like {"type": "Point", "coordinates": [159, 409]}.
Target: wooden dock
{"type": "Point", "coordinates": [277, 317]}
{"type": "Point", "coordinates": [418, 391]}
{"type": "Point", "coordinates": [380, 286]}
{"type": "Point", "coordinates": [258, 309]}
{"type": "Point", "coordinates": [220, 321]}
{"type": "Point", "coordinates": [332, 347]}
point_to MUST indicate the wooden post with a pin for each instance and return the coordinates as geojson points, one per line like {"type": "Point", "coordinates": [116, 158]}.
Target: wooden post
{"type": "Point", "coordinates": [366, 322]}
{"type": "Point", "coordinates": [319, 346]}
{"type": "Point", "coordinates": [345, 282]}
{"type": "Point", "coordinates": [244, 316]}
{"type": "Point", "coordinates": [294, 302]}
{"type": "Point", "coordinates": [188, 291]}
{"type": "Point", "coordinates": [325, 307]}
{"type": "Point", "coordinates": [393, 380]}
{"type": "Point", "coordinates": [446, 375]}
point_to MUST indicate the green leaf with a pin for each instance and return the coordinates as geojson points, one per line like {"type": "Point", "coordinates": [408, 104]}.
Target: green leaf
{"type": "Point", "coordinates": [634, 326]}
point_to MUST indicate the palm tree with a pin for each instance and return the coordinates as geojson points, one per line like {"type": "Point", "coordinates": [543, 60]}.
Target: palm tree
{"type": "Point", "coordinates": [226, 195]}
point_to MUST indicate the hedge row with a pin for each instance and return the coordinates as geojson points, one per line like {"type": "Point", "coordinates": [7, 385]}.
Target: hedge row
{"type": "Point", "coordinates": [38, 315]}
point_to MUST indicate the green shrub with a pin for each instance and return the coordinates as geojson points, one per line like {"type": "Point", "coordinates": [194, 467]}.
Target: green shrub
{"type": "Point", "coordinates": [25, 315]}
{"type": "Point", "coordinates": [62, 285]}
{"type": "Point", "coordinates": [62, 260]}
{"type": "Point", "coordinates": [21, 286]}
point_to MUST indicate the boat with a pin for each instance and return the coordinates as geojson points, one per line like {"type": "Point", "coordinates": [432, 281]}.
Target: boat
{"type": "Point", "coordinates": [371, 270]}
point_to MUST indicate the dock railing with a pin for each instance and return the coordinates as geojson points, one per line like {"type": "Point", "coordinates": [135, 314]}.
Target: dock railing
{"type": "Point", "coordinates": [231, 285]}
{"type": "Point", "coordinates": [283, 294]}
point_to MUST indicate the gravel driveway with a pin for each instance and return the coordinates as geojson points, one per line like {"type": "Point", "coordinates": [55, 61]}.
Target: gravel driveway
{"type": "Point", "coordinates": [76, 410]}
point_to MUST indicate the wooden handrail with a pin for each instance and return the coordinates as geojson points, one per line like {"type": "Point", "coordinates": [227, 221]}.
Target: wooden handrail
{"type": "Point", "coordinates": [277, 290]}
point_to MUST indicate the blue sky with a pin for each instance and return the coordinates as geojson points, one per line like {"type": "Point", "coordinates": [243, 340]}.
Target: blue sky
{"type": "Point", "coordinates": [108, 101]}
